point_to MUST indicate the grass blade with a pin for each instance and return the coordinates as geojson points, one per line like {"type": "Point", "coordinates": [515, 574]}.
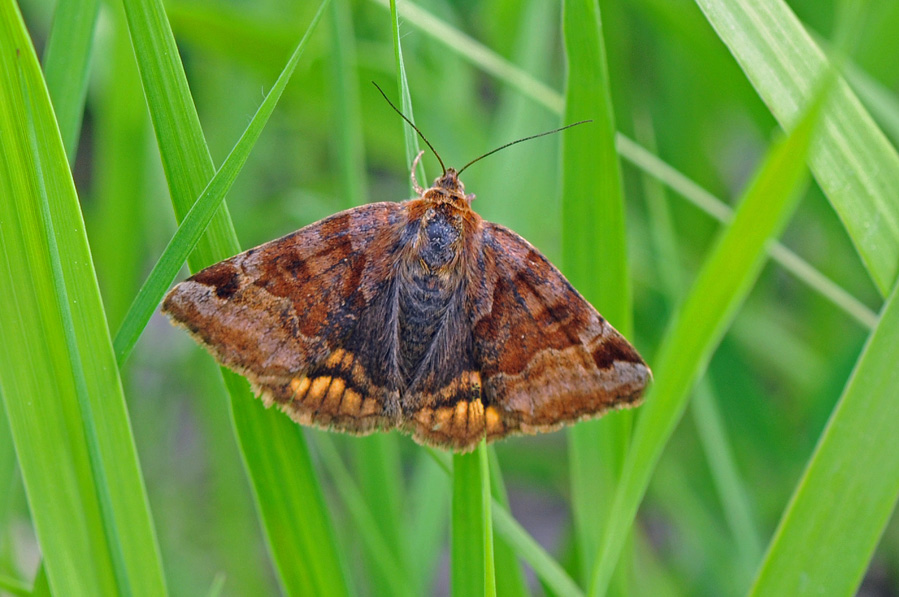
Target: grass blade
{"type": "Point", "coordinates": [66, 65]}
{"type": "Point", "coordinates": [722, 283]}
{"type": "Point", "coordinates": [201, 213]}
{"type": "Point", "coordinates": [288, 496]}
{"type": "Point", "coordinates": [593, 231]}
{"type": "Point", "coordinates": [76, 453]}
{"type": "Point", "coordinates": [851, 485]}
{"type": "Point", "coordinates": [852, 160]}
{"type": "Point", "coordinates": [472, 544]}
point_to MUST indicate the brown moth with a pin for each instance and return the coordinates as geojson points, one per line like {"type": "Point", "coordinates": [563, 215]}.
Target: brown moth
{"type": "Point", "coordinates": [418, 316]}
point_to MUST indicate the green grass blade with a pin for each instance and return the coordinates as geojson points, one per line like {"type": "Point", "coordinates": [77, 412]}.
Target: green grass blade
{"type": "Point", "coordinates": [593, 231]}
{"type": "Point", "coordinates": [841, 506]}
{"type": "Point", "coordinates": [66, 65]}
{"type": "Point", "coordinates": [194, 224]}
{"type": "Point", "coordinates": [468, 547]}
{"type": "Point", "coordinates": [510, 579]}
{"type": "Point", "coordinates": [76, 453]}
{"type": "Point", "coordinates": [852, 160]}
{"type": "Point", "coordinates": [409, 133]}
{"type": "Point", "coordinates": [487, 520]}
{"type": "Point", "coordinates": [288, 496]}
{"type": "Point", "coordinates": [721, 286]}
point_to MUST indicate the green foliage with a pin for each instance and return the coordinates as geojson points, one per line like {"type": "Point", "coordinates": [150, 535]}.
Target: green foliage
{"type": "Point", "coordinates": [786, 365]}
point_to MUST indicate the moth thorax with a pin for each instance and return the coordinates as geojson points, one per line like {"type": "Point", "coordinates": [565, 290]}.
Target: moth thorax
{"type": "Point", "coordinates": [438, 238]}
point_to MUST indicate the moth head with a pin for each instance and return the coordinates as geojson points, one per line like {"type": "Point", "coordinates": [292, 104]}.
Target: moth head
{"type": "Point", "coordinates": [448, 189]}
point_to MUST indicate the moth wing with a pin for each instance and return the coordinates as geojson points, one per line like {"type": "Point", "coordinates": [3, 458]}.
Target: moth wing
{"type": "Point", "coordinates": [544, 354]}
{"type": "Point", "coordinates": [284, 314]}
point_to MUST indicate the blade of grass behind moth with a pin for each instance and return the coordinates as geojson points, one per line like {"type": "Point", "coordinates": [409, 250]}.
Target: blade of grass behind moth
{"type": "Point", "coordinates": [468, 548]}
{"type": "Point", "coordinates": [425, 522]}
{"type": "Point", "coordinates": [201, 213]}
{"type": "Point", "coordinates": [405, 97]}
{"type": "Point", "coordinates": [120, 151]}
{"type": "Point", "coordinates": [854, 465]}
{"type": "Point", "coordinates": [852, 160]}
{"type": "Point", "coordinates": [66, 64]}
{"type": "Point", "coordinates": [492, 63]}
{"type": "Point", "coordinates": [732, 493]}
{"type": "Point", "coordinates": [593, 232]}
{"type": "Point", "coordinates": [722, 284]}
{"type": "Point", "coordinates": [56, 346]}
{"type": "Point", "coordinates": [288, 495]}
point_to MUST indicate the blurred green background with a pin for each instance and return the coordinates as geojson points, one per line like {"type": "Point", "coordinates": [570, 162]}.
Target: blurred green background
{"type": "Point", "coordinates": [676, 88]}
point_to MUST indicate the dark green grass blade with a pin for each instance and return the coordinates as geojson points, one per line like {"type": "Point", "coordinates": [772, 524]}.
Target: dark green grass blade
{"type": "Point", "coordinates": [721, 286]}
{"type": "Point", "coordinates": [844, 500]}
{"type": "Point", "coordinates": [593, 232]}
{"type": "Point", "coordinates": [76, 451]}
{"type": "Point", "coordinates": [66, 65]}
{"type": "Point", "coordinates": [288, 495]}
{"type": "Point", "coordinates": [472, 571]}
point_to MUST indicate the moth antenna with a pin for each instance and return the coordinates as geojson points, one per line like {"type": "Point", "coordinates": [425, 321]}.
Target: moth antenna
{"type": "Point", "coordinates": [567, 126]}
{"type": "Point", "coordinates": [412, 124]}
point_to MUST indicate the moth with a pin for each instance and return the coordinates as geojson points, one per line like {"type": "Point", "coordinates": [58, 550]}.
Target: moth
{"type": "Point", "coordinates": [418, 316]}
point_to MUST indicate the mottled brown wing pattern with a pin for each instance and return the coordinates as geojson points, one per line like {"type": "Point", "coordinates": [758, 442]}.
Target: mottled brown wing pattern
{"type": "Point", "coordinates": [544, 354]}
{"type": "Point", "coordinates": [284, 314]}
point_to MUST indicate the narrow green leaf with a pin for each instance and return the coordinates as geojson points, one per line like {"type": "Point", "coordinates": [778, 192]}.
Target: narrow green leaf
{"type": "Point", "coordinates": [288, 496]}
{"type": "Point", "coordinates": [76, 452]}
{"type": "Point", "coordinates": [487, 520]}
{"type": "Point", "coordinates": [468, 549]}
{"type": "Point", "coordinates": [852, 160]}
{"type": "Point", "coordinates": [593, 232]}
{"type": "Point", "coordinates": [851, 485]}
{"type": "Point", "coordinates": [67, 63]}
{"type": "Point", "coordinates": [720, 288]}
{"type": "Point", "coordinates": [411, 136]}
{"type": "Point", "coordinates": [201, 213]}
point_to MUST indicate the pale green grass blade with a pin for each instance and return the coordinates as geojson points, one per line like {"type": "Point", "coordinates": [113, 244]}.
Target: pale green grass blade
{"type": "Point", "coordinates": [852, 160]}
{"type": "Point", "coordinates": [831, 527]}
{"type": "Point", "coordinates": [76, 452]}
{"type": "Point", "coordinates": [491, 62]}
{"type": "Point", "coordinates": [593, 232]}
{"type": "Point", "coordinates": [721, 286]}
{"type": "Point", "coordinates": [66, 65]}
{"type": "Point", "coordinates": [468, 549]}
{"type": "Point", "coordinates": [487, 520]}
{"type": "Point", "coordinates": [409, 133]}
{"type": "Point", "coordinates": [288, 495]}
{"type": "Point", "coordinates": [790, 261]}
{"type": "Point", "coordinates": [194, 224]}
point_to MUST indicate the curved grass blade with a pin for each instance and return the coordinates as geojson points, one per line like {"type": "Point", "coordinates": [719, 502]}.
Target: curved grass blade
{"type": "Point", "coordinates": [76, 452]}
{"type": "Point", "coordinates": [852, 160]}
{"type": "Point", "coordinates": [67, 63]}
{"type": "Point", "coordinates": [721, 285]}
{"type": "Point", "coordinates": [194, 224]}
{"type": "Point", "coordinates": [287, 493]}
